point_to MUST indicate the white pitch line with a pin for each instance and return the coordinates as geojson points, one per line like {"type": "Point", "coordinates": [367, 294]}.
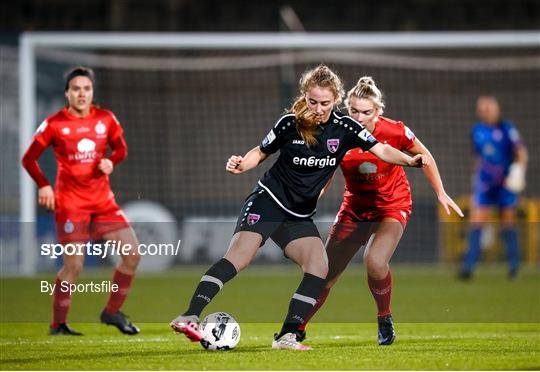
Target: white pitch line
{"type": "Point", "coordinates": [87, 341]}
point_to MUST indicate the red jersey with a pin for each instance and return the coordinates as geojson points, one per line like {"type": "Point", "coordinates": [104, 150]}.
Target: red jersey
{"type": "Point", "coordinates": [79, 144]}
{"type": "Point", "coordinates": [371, 183]}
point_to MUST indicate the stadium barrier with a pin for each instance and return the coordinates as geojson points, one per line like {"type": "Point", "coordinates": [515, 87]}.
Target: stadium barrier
{"type": "Point", "coordinates": [453, 232]}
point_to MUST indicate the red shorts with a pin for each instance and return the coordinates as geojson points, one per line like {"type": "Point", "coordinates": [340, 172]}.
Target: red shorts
{"type": "Point", "coordinates": [359, 226]}
{"type": "Point", "coordinates": [81, 226]}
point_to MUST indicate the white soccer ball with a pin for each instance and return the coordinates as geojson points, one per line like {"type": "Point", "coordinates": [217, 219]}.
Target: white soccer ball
{"type": "Point", "coordinates": [220, 332]}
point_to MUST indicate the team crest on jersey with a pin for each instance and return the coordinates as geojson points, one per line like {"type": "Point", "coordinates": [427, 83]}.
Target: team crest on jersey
{"type": "Point", "coordinates": [66, 131]}
{"type": "Point", "coordinates": [69, 227]}
{"type": "Point", "coordinates": [253, 218]}
{"type": "Point", "coordinates": [497, 135]}
{"type": "Point", "coordinates": [332, 144]}
{"type": "Point", "coordinates": [100, 128]}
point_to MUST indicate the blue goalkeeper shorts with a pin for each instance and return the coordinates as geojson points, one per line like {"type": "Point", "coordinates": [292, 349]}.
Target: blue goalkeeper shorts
{"type": "Point", "coordinates": [494, 196]}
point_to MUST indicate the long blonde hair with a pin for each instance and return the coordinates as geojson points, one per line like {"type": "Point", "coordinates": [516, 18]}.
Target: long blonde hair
{"type": "Point", "coordinates": [367, 89]}
{"type": "Point", "coordinates": [306, 120]}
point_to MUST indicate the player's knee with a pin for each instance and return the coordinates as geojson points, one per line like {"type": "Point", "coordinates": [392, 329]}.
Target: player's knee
{"type": "Point", "coordinates": [132, 260]}
{"type": "Point", "coordinates": [240, 265]}
{"type": "Point", "coordinates": [240, 261]}
{"type": "Point", "coordinates": [72, 269]}
{"type": "Point", "coordinates": [375, 265]}
{"type": "Point", "coordinates": [318, 267]}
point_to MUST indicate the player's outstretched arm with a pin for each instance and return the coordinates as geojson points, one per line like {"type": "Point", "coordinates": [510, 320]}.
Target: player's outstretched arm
{"type": "Point", "coordinates": [237, 164]}
{"type": "Point", "coordinates": [390, 155]}
{"type": "Point", "coordinates": [432, 174]}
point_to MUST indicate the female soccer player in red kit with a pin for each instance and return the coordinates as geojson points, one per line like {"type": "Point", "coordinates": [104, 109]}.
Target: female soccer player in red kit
{"type": "Point", "coordinates": [376, 204]}
{"type": "Point", "coordinates": [84, 205]}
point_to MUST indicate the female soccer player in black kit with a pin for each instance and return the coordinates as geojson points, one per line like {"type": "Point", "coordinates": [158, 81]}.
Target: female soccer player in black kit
{"type": "Point", "coordinates": [312, 140]}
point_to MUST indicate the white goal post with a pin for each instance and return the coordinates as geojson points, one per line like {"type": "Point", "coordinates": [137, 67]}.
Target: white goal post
{"type": "Point", "coordinates": [30, 41]}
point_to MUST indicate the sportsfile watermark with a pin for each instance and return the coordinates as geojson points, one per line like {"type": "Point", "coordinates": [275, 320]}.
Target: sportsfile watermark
{"type": "Point", "coordinates": [104, 286]}
{"type": "Point", "coordinates": [109, 248]}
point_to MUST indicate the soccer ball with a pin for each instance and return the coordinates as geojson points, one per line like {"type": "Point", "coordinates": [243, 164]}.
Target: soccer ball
{"type": "Point", "coordinates": [220, 332]}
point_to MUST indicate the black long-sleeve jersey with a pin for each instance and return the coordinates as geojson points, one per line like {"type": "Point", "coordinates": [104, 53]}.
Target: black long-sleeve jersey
{"type": "Point", "coordinates": [300, 172]}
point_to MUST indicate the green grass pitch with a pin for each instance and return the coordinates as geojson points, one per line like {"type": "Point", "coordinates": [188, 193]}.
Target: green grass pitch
{"type": "Point", "coordinates": [442, 324]}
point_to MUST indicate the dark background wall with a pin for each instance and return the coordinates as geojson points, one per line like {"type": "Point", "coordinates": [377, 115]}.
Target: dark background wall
{"type": "Point", "coordinates": [245, 15]}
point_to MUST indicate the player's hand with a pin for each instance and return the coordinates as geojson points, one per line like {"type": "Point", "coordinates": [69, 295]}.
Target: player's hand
{"type": "Point", "coordinates": [448, 203]}
{"type": "Point", "coordinates": [419, 161]}
{"type": "Point", "coordinates": [46, 197]}
{"type": "Point", "coordinates": [106, 166]}
{"type": "Point", "coordinates": [233, 164]}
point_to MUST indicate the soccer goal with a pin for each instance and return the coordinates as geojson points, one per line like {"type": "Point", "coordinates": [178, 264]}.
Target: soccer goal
{"type": "Point", "coordinates": [189, 100]}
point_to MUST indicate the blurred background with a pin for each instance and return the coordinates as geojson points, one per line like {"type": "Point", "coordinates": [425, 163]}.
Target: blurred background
{"type": "Point", "coordinates": [186, 110]}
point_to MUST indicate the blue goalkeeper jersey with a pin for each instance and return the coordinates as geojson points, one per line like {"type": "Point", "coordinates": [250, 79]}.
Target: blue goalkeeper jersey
{"type": "Point", "coordinates": [495, 146]}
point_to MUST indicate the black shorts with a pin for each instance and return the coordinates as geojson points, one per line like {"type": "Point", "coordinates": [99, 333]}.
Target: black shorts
{"type": "Point", "coordinates": [262, 215]}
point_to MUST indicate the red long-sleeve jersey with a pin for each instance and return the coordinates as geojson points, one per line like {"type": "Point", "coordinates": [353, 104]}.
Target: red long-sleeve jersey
{"type": "Point", "coordinates": [79, 144]}
{"type": "Point", "coordinates": [371, 183]}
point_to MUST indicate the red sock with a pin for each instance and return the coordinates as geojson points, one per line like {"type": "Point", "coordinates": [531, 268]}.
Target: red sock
{"type": "Point", "coordinates": [116, 299]}
{"type": "Point", "coordinates": [320, 301]}
{"type": "Point", "coordinates": [61, 303]}
{"type": "Point", "coordinates": [382, 293]}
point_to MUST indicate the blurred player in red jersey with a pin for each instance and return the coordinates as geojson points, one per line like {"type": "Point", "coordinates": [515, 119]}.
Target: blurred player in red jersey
{"type": "Point", "coordinates": [84, 205]}
{"type": "Point", "coordinates": [376, 204]}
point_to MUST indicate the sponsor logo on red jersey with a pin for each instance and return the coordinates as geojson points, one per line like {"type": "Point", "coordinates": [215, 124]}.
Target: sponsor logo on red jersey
{"type": "Point", "coordinates": [85, 151]}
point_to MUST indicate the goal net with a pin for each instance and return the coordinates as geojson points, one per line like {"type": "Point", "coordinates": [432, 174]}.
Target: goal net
{"type": "Point", "coordinates": [186, 108]}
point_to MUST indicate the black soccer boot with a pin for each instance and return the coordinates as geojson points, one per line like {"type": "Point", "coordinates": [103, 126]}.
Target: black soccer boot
{"type": "Point", "coordinates": [120, 321]}
{"type": "Point", "coordinates": [63, 330]}
{"type": "Point", "coordinates": [387, 334]}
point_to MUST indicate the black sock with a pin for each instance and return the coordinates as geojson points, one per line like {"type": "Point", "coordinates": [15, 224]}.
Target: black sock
{"type": "Point", "coordinates": [210, 284]}
{"type": "Point", "coordinates": [302, 302]}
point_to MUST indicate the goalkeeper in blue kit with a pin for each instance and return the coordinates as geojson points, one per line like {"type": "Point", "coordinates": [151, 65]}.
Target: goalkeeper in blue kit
{"type": "Point", "coordinates": [500, 177]}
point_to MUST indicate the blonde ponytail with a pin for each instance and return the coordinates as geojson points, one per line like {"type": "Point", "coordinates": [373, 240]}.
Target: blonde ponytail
{"type": "Point", "coordinates": [306, 120]}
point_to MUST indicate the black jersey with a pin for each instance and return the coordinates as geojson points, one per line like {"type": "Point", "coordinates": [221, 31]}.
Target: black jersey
{"type": "Point", "coordinates": [300, 173]}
